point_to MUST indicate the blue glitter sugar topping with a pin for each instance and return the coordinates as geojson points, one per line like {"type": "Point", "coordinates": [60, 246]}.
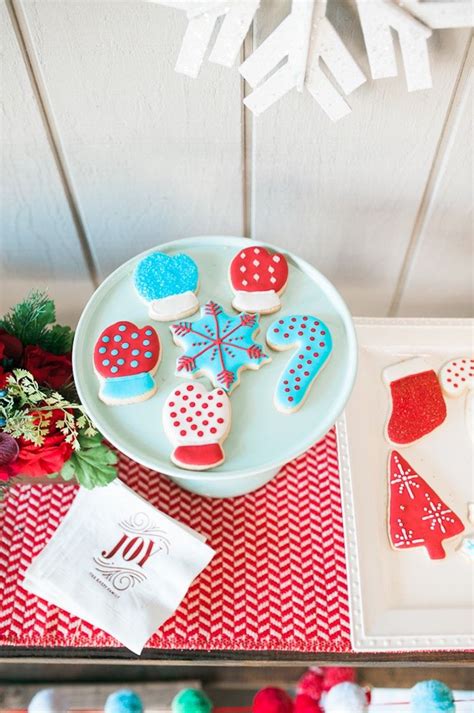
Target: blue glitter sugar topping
{"type": "Point", "coordinates": [159, 275]}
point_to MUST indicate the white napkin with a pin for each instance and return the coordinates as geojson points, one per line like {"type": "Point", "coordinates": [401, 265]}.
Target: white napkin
{"type": "Point", "coordinates": [119, 563]}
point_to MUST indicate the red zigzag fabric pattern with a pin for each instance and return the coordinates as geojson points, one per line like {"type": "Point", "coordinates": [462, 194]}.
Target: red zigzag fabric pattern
{"type": "Point", "coordinates": [277, 582]}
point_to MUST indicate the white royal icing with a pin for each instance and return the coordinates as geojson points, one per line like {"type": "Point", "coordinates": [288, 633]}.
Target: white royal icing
{"type": "Point", "coordinates": [256, 301]}
{"type": "Point", "coordinates": [173, 307]}
{"type": "Point", "coordinates": [192, 405]}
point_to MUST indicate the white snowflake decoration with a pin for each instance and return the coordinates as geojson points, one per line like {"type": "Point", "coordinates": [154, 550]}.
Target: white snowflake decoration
{"type": "Point", "coordinates": [405, 538]}
{"type": "Point", "coordinates": [405, 480]}
{"type": "Point", "coordinates": [438, 514]}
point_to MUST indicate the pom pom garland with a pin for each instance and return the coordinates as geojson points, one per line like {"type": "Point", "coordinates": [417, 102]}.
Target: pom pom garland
{"type": "Point", "coordinates": [191, 700]}
{"type": "Point", "coordinates": [311, 684]}
{"type": "Point", "coordinates": [306, 704]}
{"type": "Point", "coordinates": [48, 700]}
{"type": "Point", "coordinates": [123, 701]}
{"type": "Point", "coordinates": [346, 698]}
{"type": "Point", "coordinates": [337, 674]}
{"type": "Point", "coordinates": [272, 700]}
{"type": "Point", "coordinates": [431, 697]}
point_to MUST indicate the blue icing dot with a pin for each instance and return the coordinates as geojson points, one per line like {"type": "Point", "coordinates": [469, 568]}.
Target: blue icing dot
{"type": "Point", "coordinates": [125, 345]}
{"type": "Point", "coordinates": [114, 352]}
{"type": "Point", "coordinates": [120, 361]}
{"type": "Point", "coordinates": [135, 352]}
{"type": "Point", "coordinates": [146, 342]}
{"type": "Point", "coordinates": [102, 350]}
{"type": "Point", "coordinates": [159, 275]}
{"type": "Point", "coordinates": [134, 363]}
{"type": "Point", "coordinates": [122, 328]}
{"type": "Point", "coordinates": [106, 362]}
{"type": "Point", "coordinates": [114, 369]}
{"type": "Point", "coordinates": [148, 332]}
{"type": "Point", "coordinates": [148, 355]}
{"type": "Point", "coordinates": [117, 338]}
{"type": "Point", "coordinates": [106, 339]}
{"type": "Point", "coordinates": [134, 335]}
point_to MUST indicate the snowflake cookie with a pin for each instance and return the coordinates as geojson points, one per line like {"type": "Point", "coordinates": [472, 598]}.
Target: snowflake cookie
{"type": "Point", "coordinates": [219, 346]}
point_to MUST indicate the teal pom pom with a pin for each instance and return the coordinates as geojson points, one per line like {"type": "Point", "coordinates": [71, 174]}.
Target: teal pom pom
{"type": "Point", "coordinates": [123, 701]}
{"type": "Point", "coordinates": [191, 701]}
{"type": "Point", "coordinates": [432, 697]}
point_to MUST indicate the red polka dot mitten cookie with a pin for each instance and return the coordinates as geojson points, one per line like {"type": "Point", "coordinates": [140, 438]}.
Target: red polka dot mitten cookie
{"type": "Point", "coordinates": [457, 378]}
{"type": "Point", "coordinates": [197, 422]}
{"type": "Point", "coordinates": [258, 277]}
{"type": "Point", "coordinates": [125, 359]}
{"type": "Point", "coordinates": [417, 403]}
{"type": "Point", "coordinates": [312, 341]}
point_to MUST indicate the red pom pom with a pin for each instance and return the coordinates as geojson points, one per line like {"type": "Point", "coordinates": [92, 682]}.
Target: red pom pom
{"type": "Point", "coordinates": [306, 704]}
{"type": "Point", "coordinates": [337, 674]}
{"type": "Point", "coordinates": [311, 684]}
{"type": "Point", "coordinates": [272, 700]}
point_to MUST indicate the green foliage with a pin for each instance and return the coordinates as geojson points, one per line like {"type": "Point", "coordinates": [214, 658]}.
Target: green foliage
{"type": "Point", "coordinates": [92, 464]}
{"type": "Point", "coordinates": [33, 322]}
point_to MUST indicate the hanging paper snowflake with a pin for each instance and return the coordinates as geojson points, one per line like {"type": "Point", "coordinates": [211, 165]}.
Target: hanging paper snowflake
{"type": "Point", "coordinates": [219, 346]}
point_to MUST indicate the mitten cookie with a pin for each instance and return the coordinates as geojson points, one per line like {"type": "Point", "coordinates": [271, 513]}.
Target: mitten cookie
{"type": "Point", "coordinates": [418, 405]}
{"type": "Point", "coordinates": [125, 359]}
{"type": "Point", "coordinates": [197, 422]}
{"type": "Point", "coordinates": [218, 346]}
{"type": "Point", "coordinates": [417, 515]}
{"type": "Point", "coordinates": [457, 376]}
{"type": "Point", "coordinates": [257, 277]}
{"type": "Point", "coordinates": [168, 284]}
{"type": "Point", "coordinates": [313, 343]}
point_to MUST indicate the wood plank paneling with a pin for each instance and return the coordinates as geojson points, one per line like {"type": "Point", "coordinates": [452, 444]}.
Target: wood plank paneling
{"type": "Point", "coordinates": [38, 237]}
{"type": "Point", "coordinates": [152, 155]}
{"type": "Point", "coordinates": [346, 195]}
{"type": "Point", "coordinates": [440, 280]}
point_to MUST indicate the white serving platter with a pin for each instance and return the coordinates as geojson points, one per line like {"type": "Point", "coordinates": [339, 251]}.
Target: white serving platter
{"type": "Point", "coordinates": [402, 600]}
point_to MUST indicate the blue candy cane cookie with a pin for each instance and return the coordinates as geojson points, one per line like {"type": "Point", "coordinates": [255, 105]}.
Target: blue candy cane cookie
{"type": "Point", "coordinates": [168, 284]}
{"type": "Point", "coordinates": [313, 343]}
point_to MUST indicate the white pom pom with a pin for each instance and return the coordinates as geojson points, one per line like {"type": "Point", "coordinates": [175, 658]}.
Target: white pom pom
{"type": "Point", "coordinates": [49, 700]}
{"type": "Point", "coordinates": [346, 698]}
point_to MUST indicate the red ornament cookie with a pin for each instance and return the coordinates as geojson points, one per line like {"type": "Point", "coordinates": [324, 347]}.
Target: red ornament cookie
{"type": "Point", "coordinates": [418, 405]}
{"type": "Point", "coordinates": [125, 359]}
{"type": "Point", "coordinates": [417, 515]}
{"type": "Point", "coordinates": [197, 422]}
{"type": "Point", "coordinates": [257, 277]}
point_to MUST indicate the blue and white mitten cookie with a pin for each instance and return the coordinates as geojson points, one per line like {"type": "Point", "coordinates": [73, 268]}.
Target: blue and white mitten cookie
{"type": "Point", "coordinates": [168, 284]}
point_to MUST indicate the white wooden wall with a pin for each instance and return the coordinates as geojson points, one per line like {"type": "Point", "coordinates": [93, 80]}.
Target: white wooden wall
{"type": "Point", "coordinates": [107, 151]}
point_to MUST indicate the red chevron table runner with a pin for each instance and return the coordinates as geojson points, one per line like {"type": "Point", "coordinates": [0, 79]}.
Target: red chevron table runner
{"type": "Point", "coordinates": [277, 582]}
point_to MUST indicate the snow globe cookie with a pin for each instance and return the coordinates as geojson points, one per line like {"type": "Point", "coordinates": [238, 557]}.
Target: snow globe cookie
{"type": "Point", "coordinates": [125, 359]}
{"type": "Point", "coordinates": [197, 421]}
{"type": "Point", "coordinates": [168, 284]}
{"type": "Point", "coordinates": [258, 277]}
{"type": "Point", "coordinates": [218, 345]}
{"type": "Point", "coordinates": [312, 341]}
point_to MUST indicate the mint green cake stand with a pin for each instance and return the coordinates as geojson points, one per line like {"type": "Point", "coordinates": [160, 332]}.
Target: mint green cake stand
{"type": "Point", "coordinates": [261, 439]}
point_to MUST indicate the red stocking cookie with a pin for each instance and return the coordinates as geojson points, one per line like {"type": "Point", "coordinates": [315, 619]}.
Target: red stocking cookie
{"type": "Point", "coordinates": [197, 422]}
{"type": "Point", "coordinates": [258, 277]}
{"type": "Point", "coordinates": [417, 515]}
{"type": "Point", "coordinates": [418, 405]}
{"type": "Point", "coordinates": [125, 359]}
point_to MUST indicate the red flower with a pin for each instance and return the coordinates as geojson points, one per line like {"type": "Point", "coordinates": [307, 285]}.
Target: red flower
{"type": "Point", "coordinates": [10, 348]}
{"type": "Point", "coordinates": [50, 369]}
{"type": "Point", "coordinates": [48, 458]}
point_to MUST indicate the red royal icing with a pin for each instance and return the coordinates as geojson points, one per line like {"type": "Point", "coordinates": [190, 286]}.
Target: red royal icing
{"type": "Point", "coordinates": [123, 349]}
{"type": "Point", "coordinates": [417, 517]}
{"type": "Point", "coordinates": [418, 407]}
{"type": "Point", "coordinates": [255, 269]}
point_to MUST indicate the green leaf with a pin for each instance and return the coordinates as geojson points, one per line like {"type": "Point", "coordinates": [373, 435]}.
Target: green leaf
{"type": "Point", "coordinates": [57, 340]}
{"type": "Point", "coordinates": [92, 465]}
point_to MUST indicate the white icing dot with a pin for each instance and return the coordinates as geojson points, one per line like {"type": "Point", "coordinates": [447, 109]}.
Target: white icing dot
{"type": "Point", "coordinates": [256, 251]}
{"type": "Point", "coordinates": [271, 269]}
{"type": "Point", "coordinates": [242, 255]}
{"type": "Point", "coordinates": [243, 269]}
{"type": "Point", "coordinates": [245, 283]}
{"type": "Point", "coordinates": [256, 277]}
{"type": "Point", "coordinates": [276, 258]}
{"type": "Point", "coordinates": [256, 263]}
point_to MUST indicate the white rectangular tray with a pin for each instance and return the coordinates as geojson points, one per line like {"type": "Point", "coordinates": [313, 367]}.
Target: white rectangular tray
{"type": "Point", "coordinates": [403, 600]}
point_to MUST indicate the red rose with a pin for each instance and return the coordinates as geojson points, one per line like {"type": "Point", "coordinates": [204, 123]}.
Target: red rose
{"type": "Point", "coordinates": [49, 369]}
{"type": "Point", "coordinates": [48, 458]}
{"type": "Point", "coordinates": [10, 347]}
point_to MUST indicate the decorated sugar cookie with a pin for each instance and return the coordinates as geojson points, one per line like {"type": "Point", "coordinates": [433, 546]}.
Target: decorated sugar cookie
{"type": "Point", "coordinates": [313, 343]}
{"type": "Point", "coordinates": [258, 276]}
{"type": "Point", "coordinates": [417, 515]}
{"type": "Point", "coordinates": [168, 284]}
{"type": "Point", "coordinates": [219, 346]}
{"type": "Point", "coordinates": [457, 376]}
{"type": "Point", "coordinates": [197, 422]}
{"type": "Point", "coordinates": [125, 359]}
{"type": "Point", "coordinates": [417, 403]}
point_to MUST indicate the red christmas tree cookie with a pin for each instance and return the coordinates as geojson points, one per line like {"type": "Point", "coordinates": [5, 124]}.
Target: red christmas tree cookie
{"type": "Point", "coordinates": [197, 421]}
{"type": "Point", "coordinates": [417, 515]}
{"type": "Point", "coordinates": [257, 277]}
{"type": "Point", "coordinates": [125, 359]}
{"type": "Point", "coordinates": [418, 405]}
